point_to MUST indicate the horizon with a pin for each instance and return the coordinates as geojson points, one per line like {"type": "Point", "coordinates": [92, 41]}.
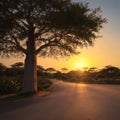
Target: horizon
{"type": "Point", "coordinates": [103, 53]}
{"type": "Point", "coordinates": [82, 69]}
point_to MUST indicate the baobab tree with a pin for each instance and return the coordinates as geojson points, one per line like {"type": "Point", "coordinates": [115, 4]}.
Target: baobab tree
{"type": "Point", "coordinates": [45, 28]}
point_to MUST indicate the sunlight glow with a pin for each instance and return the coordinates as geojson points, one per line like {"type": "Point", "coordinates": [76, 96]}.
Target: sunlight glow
{"type": "Point", "coordinates": [82, 85]}
{"type": "Point", "coordinates": [79, 64]}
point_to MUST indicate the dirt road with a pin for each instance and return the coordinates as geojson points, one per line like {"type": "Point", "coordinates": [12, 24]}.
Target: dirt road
{"type": "Point", "coordinates": [68, 101]}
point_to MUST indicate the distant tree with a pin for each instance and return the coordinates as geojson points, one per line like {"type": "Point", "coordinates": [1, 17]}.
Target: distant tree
{"type": "Point", "coordinates": [2, 67]}
{"type": "Point", "coordinates": [85, 69]}
{"type": "Point", "coordinates": [45, 28]}
{"type": "Point", "coordinates": [40, 71]}
{"type": "Point", "coordinates": [51, 70]}
{"type": "Point", "coordinates": [40, 68]}
{"type": "Point", "coordinates": [17, 65]}
{"type": "Point", "coordinates": [92, 69]}
{"type": "Point", "coordinates": [64, 69]}
{"type": "Point", "coordinates": [110, 71]}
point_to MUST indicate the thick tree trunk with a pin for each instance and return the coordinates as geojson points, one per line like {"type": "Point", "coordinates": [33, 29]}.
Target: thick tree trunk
{"type": "Point", "coordinates": [30, 70]}
{"type": "Point", "coordinates": [30, 75]}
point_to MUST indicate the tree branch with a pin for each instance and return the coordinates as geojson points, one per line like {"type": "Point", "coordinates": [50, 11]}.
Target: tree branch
{"type": "Point", "coordinates": [51, 42]}
{"type": "Point", "coordinates": [23, 28]}
{"type": "Point", "coordinates": [19, 46]}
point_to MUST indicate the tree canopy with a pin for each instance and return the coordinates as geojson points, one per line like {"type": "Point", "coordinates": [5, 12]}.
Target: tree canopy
{"type": "Point", "coordinates": [59, 26]}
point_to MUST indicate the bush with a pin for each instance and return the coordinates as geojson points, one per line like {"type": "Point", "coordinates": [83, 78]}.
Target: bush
{"type": "Point", "coordinates": [11, 78]}
{"type": "Point", "coordinates": [14, 84]}
{"type": "Point", "coordinates": [43, 83]}
{"type": "Point", "coordinates": [10, 85]}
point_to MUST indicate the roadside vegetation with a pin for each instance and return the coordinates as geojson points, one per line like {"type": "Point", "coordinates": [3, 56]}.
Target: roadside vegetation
{"type": "Point", "coordinates": [11, 77]}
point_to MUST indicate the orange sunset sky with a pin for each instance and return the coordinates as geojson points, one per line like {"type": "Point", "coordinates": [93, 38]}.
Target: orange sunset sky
{"type": "Point", "coordinates": [105, 50]}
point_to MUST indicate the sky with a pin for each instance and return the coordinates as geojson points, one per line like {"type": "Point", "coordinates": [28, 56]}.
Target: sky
{"type": "Point", "coordinates": [105, 50]}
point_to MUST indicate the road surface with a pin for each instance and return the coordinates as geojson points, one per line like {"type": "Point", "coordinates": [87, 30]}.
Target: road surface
{"type": "Point", "coordinates": [68, 101]}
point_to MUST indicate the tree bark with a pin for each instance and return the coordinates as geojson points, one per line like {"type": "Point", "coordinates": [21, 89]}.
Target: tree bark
{"type": "Point", "coordinates": [30, 68]}
{"type": "Point", "coordinates": [30, 75]}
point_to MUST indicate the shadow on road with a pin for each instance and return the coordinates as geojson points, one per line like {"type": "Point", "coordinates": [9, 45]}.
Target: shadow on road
{"type": "Point", "coordinates": [14, 102]}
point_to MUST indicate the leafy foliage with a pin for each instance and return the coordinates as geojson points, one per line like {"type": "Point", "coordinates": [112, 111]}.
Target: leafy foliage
{"type": "Point", "coordinates": [10, 84]}
{"type": "Point", "coordinates": [58, 26]}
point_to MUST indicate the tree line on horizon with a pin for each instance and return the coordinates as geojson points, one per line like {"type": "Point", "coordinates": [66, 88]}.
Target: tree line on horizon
{"type": "Point", "coordinates": [107, 75]}
{"type": "Point", "coordinates": [18, 68]}
{"type": "Point", "coordinates": [11, 78]}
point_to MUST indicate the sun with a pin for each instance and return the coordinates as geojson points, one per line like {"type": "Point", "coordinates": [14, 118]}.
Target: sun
{"type": "Point", "coordinates": [80, 64]}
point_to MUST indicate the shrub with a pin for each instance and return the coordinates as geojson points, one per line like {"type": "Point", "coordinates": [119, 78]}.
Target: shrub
{"type": "Point", "coordinates": [43, 83]}
{"type": "Point", "coordinates": [10, 85]}
{"type": "Point", "coordinates": [14, 84]}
